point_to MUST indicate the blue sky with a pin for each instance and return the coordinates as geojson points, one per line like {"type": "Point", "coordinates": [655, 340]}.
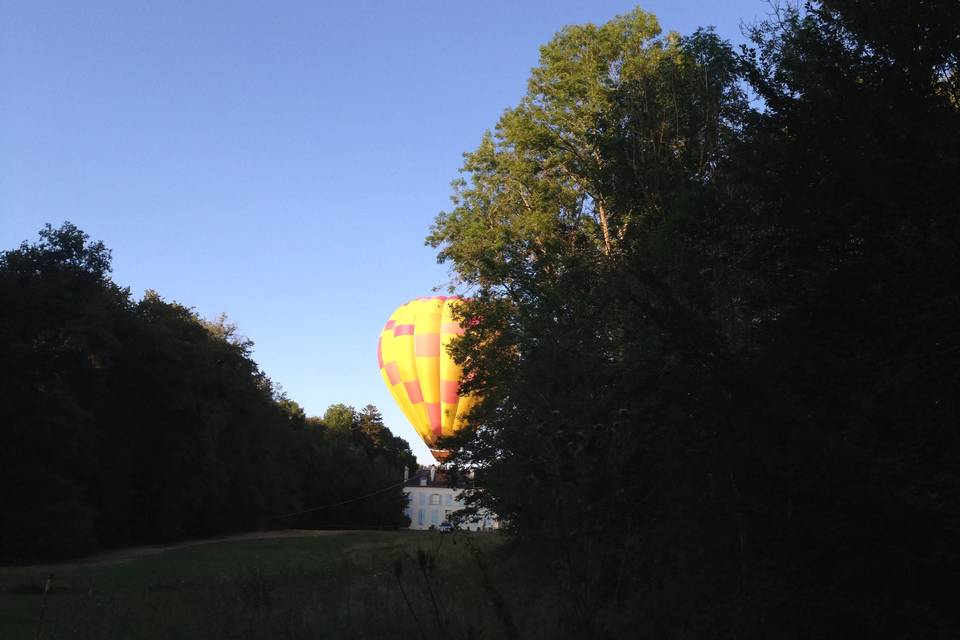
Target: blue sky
{"type": "Point", "coordinates": [280, 162]}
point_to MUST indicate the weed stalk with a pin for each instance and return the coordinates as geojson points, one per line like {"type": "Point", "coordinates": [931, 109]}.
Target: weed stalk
{"type": "Point", "coordinates": [398, 573]}
{"type": "Point", "coordinates": [43, 607]}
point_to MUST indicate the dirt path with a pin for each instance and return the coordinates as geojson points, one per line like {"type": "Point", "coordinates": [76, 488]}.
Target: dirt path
{"type": "Point", "coordinates": [119, 556]}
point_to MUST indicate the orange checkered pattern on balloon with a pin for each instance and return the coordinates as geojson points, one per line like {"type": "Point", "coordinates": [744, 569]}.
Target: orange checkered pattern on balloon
{"type": "Point", "coordinates": [421, 375]}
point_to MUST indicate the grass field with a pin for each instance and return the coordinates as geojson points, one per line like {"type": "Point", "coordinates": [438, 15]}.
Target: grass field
{"type": "Point", "coordinates": [349, 584]}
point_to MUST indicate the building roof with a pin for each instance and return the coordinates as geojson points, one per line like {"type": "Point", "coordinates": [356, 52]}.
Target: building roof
{"type": "Point", "coordinates": [441, 478]}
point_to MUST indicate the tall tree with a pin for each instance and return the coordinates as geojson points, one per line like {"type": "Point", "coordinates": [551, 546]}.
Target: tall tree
{"type": "Point", "coordinates": [565, 225]}
{"type": "Point", "coordinates": [59, 309]}
{"type": "Point", "coordinates": [712, 339]}
{"type": "Point", "coordinates": [137, 421]}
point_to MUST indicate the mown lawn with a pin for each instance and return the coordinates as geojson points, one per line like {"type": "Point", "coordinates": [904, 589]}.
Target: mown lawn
{"type": "Point", "coordinates": [369, 584]}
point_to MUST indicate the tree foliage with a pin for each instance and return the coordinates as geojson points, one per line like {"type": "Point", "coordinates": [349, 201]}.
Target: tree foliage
{"type": "Point", "coordinates": [132, 421]}
{"type": "Point", "coordinates": [714, 336]}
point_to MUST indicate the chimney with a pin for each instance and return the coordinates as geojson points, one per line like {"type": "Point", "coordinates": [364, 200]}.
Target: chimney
{"type": "Point", "coordinates": [406, 473]}
{"type": "Point", "coordinates": [433, 473]}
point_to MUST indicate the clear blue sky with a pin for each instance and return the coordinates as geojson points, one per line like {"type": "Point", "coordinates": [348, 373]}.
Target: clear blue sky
{"type": "Point", "coordinates": [278, 161]}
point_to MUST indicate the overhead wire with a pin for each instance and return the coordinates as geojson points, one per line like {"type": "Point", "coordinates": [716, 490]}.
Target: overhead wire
{"type": "Point", "coordinates": [349, 500]}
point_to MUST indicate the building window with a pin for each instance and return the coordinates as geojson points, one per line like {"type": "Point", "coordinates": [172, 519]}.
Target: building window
{"type": "Point", "coordinates": [423, 498]}
{"type": "Point", "coordinates": [435, 516]}
{"type": "Point", "coordinates": [449, 499]}
{"type": "Point", "coordinates": [420, 516]}
{"type": "Point", "coordinates": [434, 498]}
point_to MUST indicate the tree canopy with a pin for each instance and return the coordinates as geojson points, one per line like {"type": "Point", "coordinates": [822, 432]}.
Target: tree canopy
{"type": "Point", "coordinates": [135, 421]}
{"type": "Point", "coordinates": [713, 302]}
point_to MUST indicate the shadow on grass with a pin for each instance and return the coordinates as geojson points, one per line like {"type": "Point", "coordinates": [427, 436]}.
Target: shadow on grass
{"type": "Point", "coordinates": [354, 585]}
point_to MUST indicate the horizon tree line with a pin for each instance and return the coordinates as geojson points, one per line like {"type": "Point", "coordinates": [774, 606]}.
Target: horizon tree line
{"type": "Point", "coordinates": [131, 421]}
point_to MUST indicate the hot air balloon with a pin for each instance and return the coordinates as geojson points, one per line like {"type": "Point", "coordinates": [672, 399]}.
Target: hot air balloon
{"type": "Point", "coordinates": [421, 375]}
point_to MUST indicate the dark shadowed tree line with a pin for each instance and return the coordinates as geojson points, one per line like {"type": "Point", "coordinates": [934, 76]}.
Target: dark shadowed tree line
{"type": "Point", "coordinates": [130, 421]}
{"type": "Point", "coordinates": [716, 324]}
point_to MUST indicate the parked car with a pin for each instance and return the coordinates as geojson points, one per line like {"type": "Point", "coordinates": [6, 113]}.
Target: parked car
{"type": "Point", "coordinates": [446, 527]}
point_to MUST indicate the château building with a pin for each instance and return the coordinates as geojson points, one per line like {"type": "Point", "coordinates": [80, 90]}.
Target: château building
{"type": "Point", "coordinates": [434, 498]}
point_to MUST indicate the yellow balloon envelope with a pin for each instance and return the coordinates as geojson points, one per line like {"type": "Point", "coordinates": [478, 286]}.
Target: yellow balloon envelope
{"type": "Point", "coordinates": [421, 375]}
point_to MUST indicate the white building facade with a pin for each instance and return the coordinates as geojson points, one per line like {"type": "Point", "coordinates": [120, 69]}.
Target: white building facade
{"type": "Point", "coordinates": [433, 501]}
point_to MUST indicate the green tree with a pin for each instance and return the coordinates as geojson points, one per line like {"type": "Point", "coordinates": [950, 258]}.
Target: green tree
{"type": "Point", "coordinates": [711, 339]}
{"type": "Point", "coordinates": [341, 417]}
{"type": "Point", "coordinates": [296, 415]}
{"type": "Point", "coordinates": [131, 422]}
{"type": "Point", "coordinates": [59, 309]}
{"type": "Point", "coordinates": [565, 225]}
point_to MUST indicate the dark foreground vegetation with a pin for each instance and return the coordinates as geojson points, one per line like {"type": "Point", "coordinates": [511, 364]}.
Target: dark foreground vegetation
{"type": "Point", "coordinates": [716, 324]}
{"type": "Point", "coordinates": [338, 584]}
{"type": "Point", "coordinates": [135, 421]}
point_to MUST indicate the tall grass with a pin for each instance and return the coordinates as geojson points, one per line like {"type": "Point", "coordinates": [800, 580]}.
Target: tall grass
{"type": "Point", "coordinates": [343, 585]}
